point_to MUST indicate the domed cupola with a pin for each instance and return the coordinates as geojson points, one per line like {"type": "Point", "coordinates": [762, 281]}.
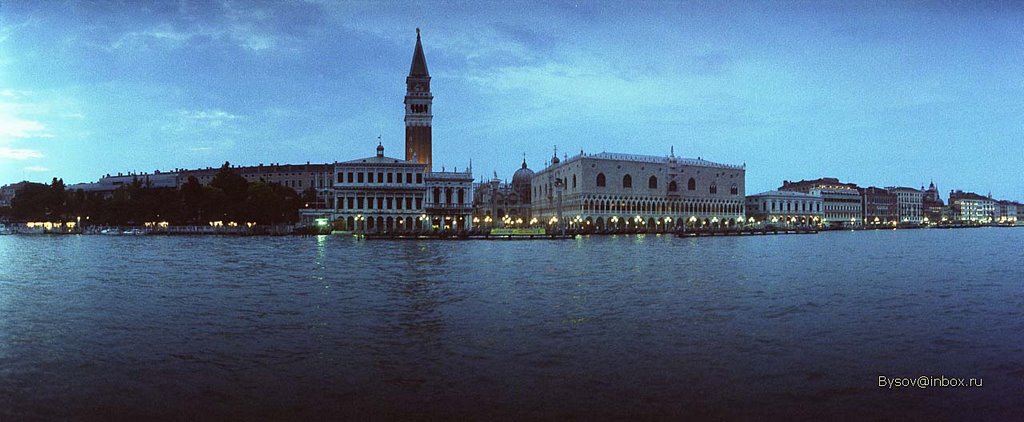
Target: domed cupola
{"type": "Point", "coordinates": [523, 175]}
{"type": "Point", "coordinates": [521, 181]}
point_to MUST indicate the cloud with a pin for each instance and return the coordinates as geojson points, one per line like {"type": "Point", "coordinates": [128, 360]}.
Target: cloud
{"type": "Point", "coordinates": [208, 115]}
{"type": "Point", "coordinates": [19, 154]}
{"type": "Point", "coordinates": [196, 121]}
{"type": "Point", "coordinates": [12, 127]}
{"type": "Point", "coordinates": [37, 169]}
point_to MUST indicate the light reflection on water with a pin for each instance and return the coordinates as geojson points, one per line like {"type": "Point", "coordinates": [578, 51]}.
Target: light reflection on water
{"type": "Point", "coordinates": [594, 327]}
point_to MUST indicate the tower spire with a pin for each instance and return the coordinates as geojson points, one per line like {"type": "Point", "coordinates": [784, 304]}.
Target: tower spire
{"type": "Point", "coordinates": [419, 61]}
{"type": "Point", "coordinates": [418, 109]}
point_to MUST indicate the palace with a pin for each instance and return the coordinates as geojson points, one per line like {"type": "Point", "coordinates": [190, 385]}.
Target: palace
{"type": "Point", "coordinates": [620, 191]}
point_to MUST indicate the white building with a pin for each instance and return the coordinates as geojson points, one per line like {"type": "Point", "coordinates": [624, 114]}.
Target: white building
{"type": "Point", "coordinates": [970, 207]}
{"type": "Point", "coordinates": [785, 208]}
{"type": "Point", "coordinates": [623, 191]}
{"type": "Point", "coordinates": [909, 203]}
{"type": "Point", "coordinates": [376, 194]}
{"type": "Point", "coordinates": [449, 199]}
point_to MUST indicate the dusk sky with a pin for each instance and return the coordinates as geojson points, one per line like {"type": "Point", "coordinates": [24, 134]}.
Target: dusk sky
{"type": "Point", "coordinates": [870, 92]}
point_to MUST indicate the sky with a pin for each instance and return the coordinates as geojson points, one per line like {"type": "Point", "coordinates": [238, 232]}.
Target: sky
{"type": "Point", "coordinates": [874, 93]}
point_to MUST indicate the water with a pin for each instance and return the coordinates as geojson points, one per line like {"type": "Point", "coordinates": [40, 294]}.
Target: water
{"type": "Point", "coordinates": [795, 327]}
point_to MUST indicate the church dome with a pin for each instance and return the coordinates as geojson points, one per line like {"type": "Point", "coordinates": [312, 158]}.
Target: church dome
{"type": "Point", "coordinates": [522, 176]}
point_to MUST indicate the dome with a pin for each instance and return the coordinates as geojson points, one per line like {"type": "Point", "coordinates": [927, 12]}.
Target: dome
{"type": "Point", "coordinates": [522, 176]}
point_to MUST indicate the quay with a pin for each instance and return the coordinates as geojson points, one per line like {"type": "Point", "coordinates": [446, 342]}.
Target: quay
{"type": "Point", "coordinates": [745, 232]}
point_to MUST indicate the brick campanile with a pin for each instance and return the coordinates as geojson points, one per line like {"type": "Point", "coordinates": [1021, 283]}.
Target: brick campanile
{"type": "Point", "coordinates": [418, 108]}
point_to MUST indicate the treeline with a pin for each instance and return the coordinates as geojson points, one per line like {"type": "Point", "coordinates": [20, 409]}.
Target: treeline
{"type": "Point", "coordinates": [228, 197]}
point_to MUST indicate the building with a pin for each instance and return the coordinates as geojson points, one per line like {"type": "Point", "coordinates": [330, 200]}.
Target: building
{"type": "Point", "coordinates": [841, 201]}
{"type": "Point", "coordinates": [418, 109]}
{"type": "Point", "coordinates": [296, 176]}
{"type": "Point", "coordinates": [969, 207]}
{"type": "Point", "coordinates": [1006, 212]}
{"type": "Point", "coordinates": [110, 183]}
{"type": "Point", "coordinates": [299, 177]}
{"type": "Point", "coordinates": [879, 206]}
{"type": "Point", "coordinates": [8, 192]}
{"type": "Point", "coordinates": [624, 191]}
{"type": "Point", "coordinates": [909, 203]}
{"type": "Point", "coordinates": [497, 204]}
{"type": "Point", "coordinates": [785, 208]}
{"type": "Point", "coordinates": [374, 195]}
{"type": "Point", "coordinates": [933, 209]}
{"type": "Point", "coordinates": [449, 199]}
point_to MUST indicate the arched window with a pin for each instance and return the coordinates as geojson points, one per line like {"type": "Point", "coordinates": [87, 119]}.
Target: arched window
{"type": "Point", "coordinates": [627, 181]}
{"type": "Point", "coordinates": [713, 188]}
{"type": "Point", "coordinates": [448, 196]}
{"type": "Point", "coordinates": [672, 186]}
{"type": "Point", "coordinates": [600, 180]}
{"type": "Point", "coordinates": [574, 181]}
{"type": "Point", "coordinates": [734, 190]}
{"type": "Point", "coordinates": [652, 183]}
{"type": "Point", "coordinates": [691, 185]}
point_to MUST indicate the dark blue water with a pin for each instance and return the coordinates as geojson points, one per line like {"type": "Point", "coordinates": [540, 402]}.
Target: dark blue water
{"type": "Point", "coordinates": [793, 327]}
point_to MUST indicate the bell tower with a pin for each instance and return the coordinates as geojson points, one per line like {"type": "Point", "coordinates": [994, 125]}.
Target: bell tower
{"type": "Point", "coordinates": [418, 108]}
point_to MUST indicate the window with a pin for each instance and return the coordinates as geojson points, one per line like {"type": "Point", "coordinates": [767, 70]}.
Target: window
{"type": "Point", "coordinates": [713, 188]}
{"type": "Point", "coordinates": [380, 177]}
{"type": "Point", "coordinates": [627, 181]}
{"type": "Point", "coordinates": [391, 177]}
{"type": "Point", "coordinates": [734, 190]}
{"type": "Point", "coordinates": [691, 185]}
{"type": "Point", "coordinates": [351, 202]}
{"type": "Point", "coordinates": [419, 203]}
{"type": "Point", "coordinates": [600, 180]}
{"type": "Point", "coordinates": [462, 195]}
{"type": "Point", "coordinates": [360, 203]}
{"type": "Point", "coordinates": [437, 196]}
{"type": "Point", "coordinates": [361, 174]}
{"type": "Point", "coordinates": [672, 187]}
{"type": "Point", "coordinates": [350, 177]}
{"type": "Point", "coordinates": [339, 178]}
{"type": "Point", "coordinates": [419, 177]}
{"type": "Point", "coordinates": [380, 203]}
{"type": "Point", "coordinates": [408, 178]}
{"type": "Point", "coordinates": [574, 181]}
{"type": "Point", "coordinates": [652, 183]}
{"type": "Point", "coordinates": [448, 196]}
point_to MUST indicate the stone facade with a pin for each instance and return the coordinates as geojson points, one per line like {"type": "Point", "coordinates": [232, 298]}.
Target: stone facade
{"type": "Point", "coordinates": [880, 207]}
{"type": "Point", "coordinates": [1006, 212]}
{"type": "Point", "coordinates": [497, 204]}
{"type": "Point", "coordinates": [622, 191]}
{"type": "Point", "coordinates": [969, 207]}
{"type": "Point", "coordinates": [841, 201]}
{"type": "Point", "coordinates": [374, 195]}
{"type": "Point", "coordinates": [449, 200]}
{"type": "Point", "coordinates": [782, 208]}
{"type": "Point", "coordinates": [909, 202]}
